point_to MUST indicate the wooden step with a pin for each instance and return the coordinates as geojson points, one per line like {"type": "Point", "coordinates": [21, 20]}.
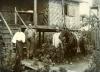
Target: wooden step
{"type": "Point", "coordinates": [7, 39]}
{"type": "Point", "coordinates": [7, 32]}
{"type": "Point", "coordinates": [12, 28]}
{"type": "Point", "coordinates": [11, 25]}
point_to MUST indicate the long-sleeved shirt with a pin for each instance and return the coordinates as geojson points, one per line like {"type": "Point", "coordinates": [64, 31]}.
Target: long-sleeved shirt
{"type": "Point", "coordinates": [20, 36]}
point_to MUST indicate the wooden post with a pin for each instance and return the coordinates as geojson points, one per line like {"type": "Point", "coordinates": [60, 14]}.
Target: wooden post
{"type": "Point", "coordinates": [63, 14]}
{"type": "Point", "coordinates": [39, 39]}
{"type": "Point", "coordinates": [35, 12]}
{"type": "Point", "coordinates": [15, 16]}
{"type": "Point", "coordinates": [43, 37]}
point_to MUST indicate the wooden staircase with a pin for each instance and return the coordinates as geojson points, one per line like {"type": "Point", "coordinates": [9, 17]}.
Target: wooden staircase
{"type": "Point", "coordinates": [6, 35]}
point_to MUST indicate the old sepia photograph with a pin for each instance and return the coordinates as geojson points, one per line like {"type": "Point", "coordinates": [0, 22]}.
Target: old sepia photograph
{"type": "Point", "coordinates": [49, 35]}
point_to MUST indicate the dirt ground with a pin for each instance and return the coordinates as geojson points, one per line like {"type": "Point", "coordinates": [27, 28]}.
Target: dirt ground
{"type": "Point", "coordinates": [78, 66]}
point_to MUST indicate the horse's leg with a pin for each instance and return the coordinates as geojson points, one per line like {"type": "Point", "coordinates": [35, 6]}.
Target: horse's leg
{"type": "Point", "coordinates": [72, 54]}
{"type": "Point", "coordinates": [67, 54]}
{"type": "Point", "coordinates": [82, 46]}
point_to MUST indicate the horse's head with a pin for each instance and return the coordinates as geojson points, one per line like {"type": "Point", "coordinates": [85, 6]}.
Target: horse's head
{"type": "Point", "coordinates": [65, 33]}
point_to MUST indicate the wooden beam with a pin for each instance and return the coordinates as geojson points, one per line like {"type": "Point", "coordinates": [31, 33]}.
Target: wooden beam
{"type": "Point", "coordinates": [26, 12]}
{"type": "Point", "coordinates": [15, 16]}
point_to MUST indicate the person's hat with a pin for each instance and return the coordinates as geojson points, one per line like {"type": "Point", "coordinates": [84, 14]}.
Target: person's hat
{"type": "Point", "coordinates": [30, 25]}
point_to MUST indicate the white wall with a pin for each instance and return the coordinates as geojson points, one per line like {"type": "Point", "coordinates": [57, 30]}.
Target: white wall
{"type": "Point", "coordinates": [56, 16]}
{"type": "Point", "coordinates": [85, 7]}
{"type": "Point", "coordinates": [74, 22]}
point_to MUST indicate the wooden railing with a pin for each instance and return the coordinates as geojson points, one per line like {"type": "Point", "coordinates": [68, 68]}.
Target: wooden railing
{"type": "Point", "coordinates": [17, 14]}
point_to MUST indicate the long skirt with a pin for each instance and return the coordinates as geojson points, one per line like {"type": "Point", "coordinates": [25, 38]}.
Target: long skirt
{"type": "Point", "coordinates": [19, 56]}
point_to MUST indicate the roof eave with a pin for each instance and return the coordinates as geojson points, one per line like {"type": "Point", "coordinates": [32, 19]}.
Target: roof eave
{"type": "Point", "coordinates": [78, 1]}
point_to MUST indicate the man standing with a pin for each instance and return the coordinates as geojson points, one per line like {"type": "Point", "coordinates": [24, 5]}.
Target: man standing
{"type": "Point", "coordinates": [30, 34]}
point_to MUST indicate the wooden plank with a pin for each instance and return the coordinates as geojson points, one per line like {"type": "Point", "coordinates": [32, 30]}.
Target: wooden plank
{"type": "Point", "coordinates": [25, 12]}
{"type": "Point", "coordinates": [30, 64]}
{"type": "Point", "coordinates": [48, 29]}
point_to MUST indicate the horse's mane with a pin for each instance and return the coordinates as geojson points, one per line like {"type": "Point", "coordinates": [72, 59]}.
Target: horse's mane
{"type": "Point", "coordinates": [67, 36]}
{"type": "Point", "coordinates": [65, 32]}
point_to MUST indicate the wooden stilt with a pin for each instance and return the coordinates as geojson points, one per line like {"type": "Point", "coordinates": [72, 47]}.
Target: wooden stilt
{"type": "Point", "coordinates": [39, 39]}
{"type": "Point", "coordinates": [43, 37]}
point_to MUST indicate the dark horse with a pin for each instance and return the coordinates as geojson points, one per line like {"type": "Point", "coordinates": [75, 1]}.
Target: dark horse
{"type": "Point", "coordinates": [72, 45]}
{"type": "Point", "coordinates": [69, 43]}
